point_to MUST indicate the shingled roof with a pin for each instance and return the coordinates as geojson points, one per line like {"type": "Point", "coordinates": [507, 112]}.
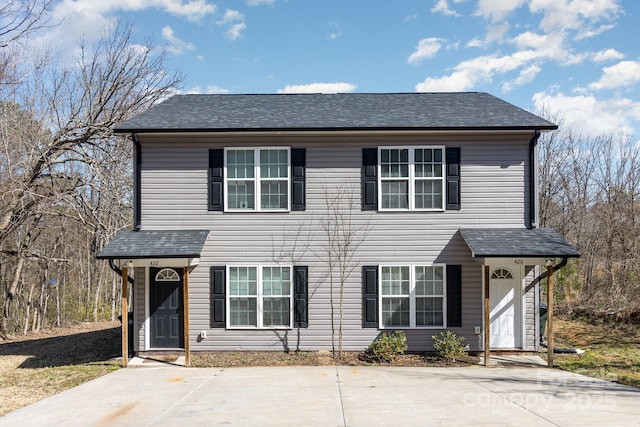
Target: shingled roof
{"type": "Point", "coordinates": [129, 244]}
{"type": "Point", "coordinates": [348, 111]}
{"type": "Point", "coordinates": [517, 242]}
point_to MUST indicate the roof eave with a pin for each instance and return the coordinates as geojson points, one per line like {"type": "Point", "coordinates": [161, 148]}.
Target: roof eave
{"type": "Point", "coordinates": [148, 256]}
{"type": "Point", "coordinates": [335, 129]}
{"type": "Point", "coordinates": [546, 255]}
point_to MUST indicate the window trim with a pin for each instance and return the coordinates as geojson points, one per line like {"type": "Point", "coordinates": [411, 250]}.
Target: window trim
{"type": "Point", "coordinates": [257, 180]}
{"type": "Point", "coordinates": [412, 177]}
{"type": "Point", "coordinates": [412, 296]}
{"type": "Point", "coordinates": [259, 297]}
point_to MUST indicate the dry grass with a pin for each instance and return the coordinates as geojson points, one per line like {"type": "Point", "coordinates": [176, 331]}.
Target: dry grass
{"type": "Point", "coordinates": [35, 366]}
{"type": "Point", "coordinates": [612, 350]}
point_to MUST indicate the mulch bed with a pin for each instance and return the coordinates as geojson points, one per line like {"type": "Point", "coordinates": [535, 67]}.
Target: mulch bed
{"type": "Point", "coordinates": [317, 358]}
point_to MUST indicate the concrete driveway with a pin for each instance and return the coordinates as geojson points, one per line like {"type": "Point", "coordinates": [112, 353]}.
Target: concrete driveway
{"type": "Point", "coordinates": [337, 396]}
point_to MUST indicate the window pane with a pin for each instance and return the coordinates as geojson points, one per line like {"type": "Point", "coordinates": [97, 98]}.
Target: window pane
{"type": "Point", "coordinates": [429, 311]}
{"type": "Point", "coordinates": [429, 280]}
{"type": "Point", "coordinates": [394, 163]}
{"type": "Point", "coordinates": [275, 311]}
{"type": "Point", "coordinates": [395, 311]}
{"type": "Point", "coordinates": [273, 163]}
{"type": "Point", "coordinates": [243, 311]}
{"type": "Point", "coordinates": [240, 164]}
{"type": "Point", "coordinates": [241, 195]}
{"type": "Point", "coordinates": [395, 281]}
{"type": "Point", "coordinates": [428, 194]}
{"type": "Point", "coordinates": [274, 194]}
{"type": "Point", "coordinates": [428, 163]}
{"type": "Point", "coordinates": [276, 281]}
{"type": "Point", "coordinates": [243, 281]}
{"type": "Point", "coordinates": [395, 194]}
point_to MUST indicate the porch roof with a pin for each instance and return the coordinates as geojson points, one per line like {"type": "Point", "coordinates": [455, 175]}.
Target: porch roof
{"type": "Point", "coordinates": [517, 242]}
{"type": "Point", "coordinates": [141, 244]}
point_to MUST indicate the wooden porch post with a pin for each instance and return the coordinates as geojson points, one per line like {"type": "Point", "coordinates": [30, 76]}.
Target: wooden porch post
{"type": "Point", "coordinates": [550, 316]}
{"type": "Point", "coordinates": [185, 295]}
{"type": "Point", "coordinates": [487, 308]}
{"type": "Point", "coordinates": [125, 317]}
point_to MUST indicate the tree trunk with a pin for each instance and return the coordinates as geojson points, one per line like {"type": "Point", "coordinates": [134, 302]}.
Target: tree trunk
{"type": "Point", "coordinates": [25, 329]}
{"type": "Point", "coordinates": [4, 325]}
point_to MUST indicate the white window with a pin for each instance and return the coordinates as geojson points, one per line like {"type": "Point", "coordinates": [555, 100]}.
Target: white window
{"type": "Point", "coordinates": [412, 296]}
{"type": "Point", "coordinates": [411, 178]}
{"type": "Point", "coordinates": [259, 296]}
{"type": "Point", "coordinates": [257, 179]}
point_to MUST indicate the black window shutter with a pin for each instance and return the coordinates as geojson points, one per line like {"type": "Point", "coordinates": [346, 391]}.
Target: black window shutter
{"type": "Point", "coordinates": [216, 179]}
{"type": "Point", "coordinates": [454, 295]}
{"type": "Point", "coordinates": [298, 179]}
{"type": "Point", "coordinates": [300, 296]}
{"type": "Point", "coordinates": [453, 178]}
{"type": "Point", "coordinates": [369, 179]}
{"type": "Point", "coordinates": [218, 286]}
{"type": "Point", "coordinates": [370, 296]}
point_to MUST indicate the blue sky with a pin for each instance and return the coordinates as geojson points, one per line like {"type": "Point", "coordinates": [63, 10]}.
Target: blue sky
{"type": "Point", "coordinates": [580, 58]}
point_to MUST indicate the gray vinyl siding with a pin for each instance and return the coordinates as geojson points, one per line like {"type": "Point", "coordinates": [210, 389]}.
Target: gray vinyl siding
{"type": "Point", "coordinates": [530, 291]}
{"type": "Point", "coordinates": [139, 308]}
{"type": "Point", "coordinates": [174, 196]}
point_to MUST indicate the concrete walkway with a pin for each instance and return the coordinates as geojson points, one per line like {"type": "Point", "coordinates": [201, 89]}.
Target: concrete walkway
{"type": "Point", "coordinates": [337, 396]}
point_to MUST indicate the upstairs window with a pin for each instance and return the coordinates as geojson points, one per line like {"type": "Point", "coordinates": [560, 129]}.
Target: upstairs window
{"type": "Point", "coordinates": [257, 179]}
{"type": "Point", "coordinates": [411, 178]}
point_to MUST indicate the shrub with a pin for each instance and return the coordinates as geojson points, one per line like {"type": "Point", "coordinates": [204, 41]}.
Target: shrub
{"type": "Point", "coordinates": [387, 346]}
{"type": "Point", "coordinates": [449, 346]}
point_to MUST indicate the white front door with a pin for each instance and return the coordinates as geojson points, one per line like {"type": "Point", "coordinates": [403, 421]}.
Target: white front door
{"type": "Point", "coordinates": [505, 310]}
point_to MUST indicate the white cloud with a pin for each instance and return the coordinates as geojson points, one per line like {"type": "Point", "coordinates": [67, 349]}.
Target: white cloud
{"type": "Point", "coordinates": [196, 90]}
{"type": "Point", "coordinates": [475, 42]}
{"type": "Point", "coordinates": [411, 17]}
{"type": "Point", "coordinates": [497, 10]}
{"type": "Point", "coordinates": [234, 21]}
{"type": "Point", "coordinates": [625, 73]}
{"type": "Point", "coordinates": [526, 76]}
{"type": "Point", "coordinates": [176, 46]}
{"type": "Point", "coordinates": [580, 15]}
{"type": "Point", "coordinates": [442, 6]}
{"type": "Point", "coordinates": [259, 2]}
{"type": "Point", "coordinates": [231, 16]}
{"type": "Point", "coordinates": [235, 32]}
{"type": "Point", "coordinates": [467, 74]}
{"type": "Point", "coordinates": [334, 36]}
{"type": "Point", "coordinates": [426, 49]}
{"type": "Point", "coordinates": [338, 87]}
{"type": "Point", "coordinates": [607, 55]}
{"type": "Point", "coordinates": [591, 115]}
{"type": "Point", "coordinates": [89, 19]}
{"type": "Point", "coordinates": [216, 90]}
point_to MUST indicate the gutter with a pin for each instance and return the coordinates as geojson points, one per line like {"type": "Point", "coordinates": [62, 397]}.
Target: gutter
{"type": "Point", "coordinates": [533, 181]}
{"type": "Point", "coordinates": [115, 268]}
{"type": "Point", "coordinates": [137, 182]}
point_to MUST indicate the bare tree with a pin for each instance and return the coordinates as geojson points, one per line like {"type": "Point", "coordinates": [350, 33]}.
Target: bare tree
{"type": "Point", "coordinates": [19, 18]}
{"type": "Point", "coordinates": [344, 233]}
{"type": "Point", "coordinates": [57, 149]}
{"type": "Point", "coordinates": [589, 188]}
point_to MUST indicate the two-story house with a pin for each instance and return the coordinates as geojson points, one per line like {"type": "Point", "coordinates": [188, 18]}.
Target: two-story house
{"type": "Point", "coordinates": [242, 203]}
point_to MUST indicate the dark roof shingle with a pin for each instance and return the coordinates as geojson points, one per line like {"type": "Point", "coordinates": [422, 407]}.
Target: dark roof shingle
{"type": "Point", "coordinates": [517, 242]}
{"type": "Point", "coordinates": [155, 244]}
{"type": "Point", "coordinates": [347, 111]}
